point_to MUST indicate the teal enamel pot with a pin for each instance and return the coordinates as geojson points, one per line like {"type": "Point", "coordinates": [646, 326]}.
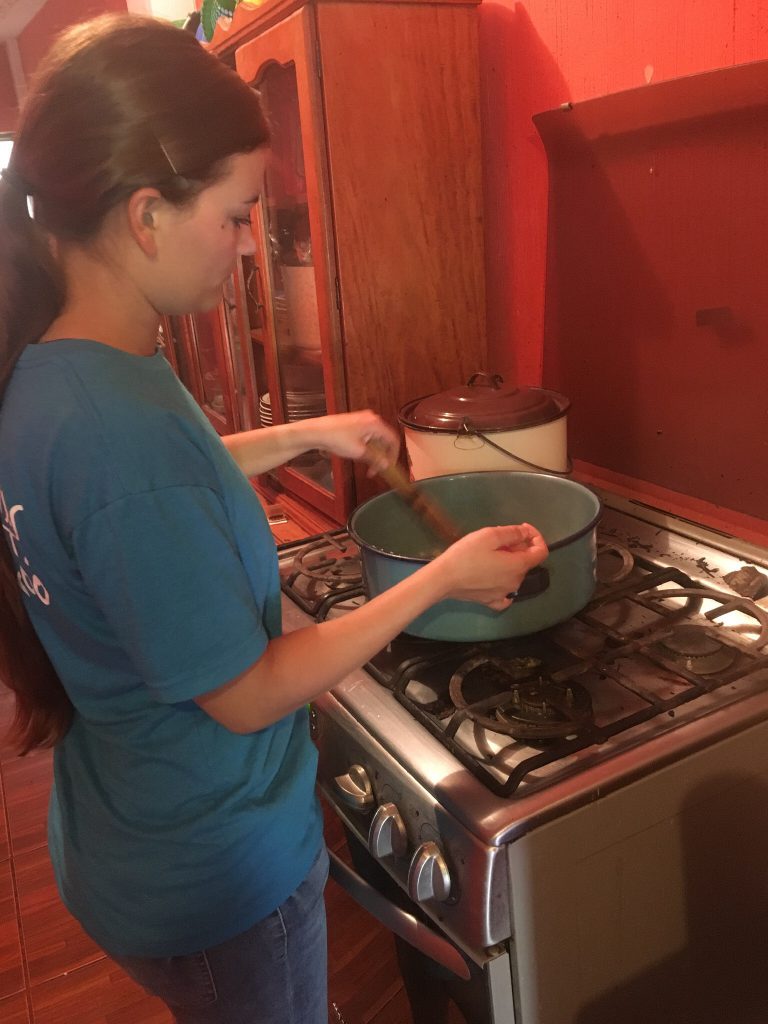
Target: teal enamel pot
{"type": "Point", "coordinates": [394, 543]}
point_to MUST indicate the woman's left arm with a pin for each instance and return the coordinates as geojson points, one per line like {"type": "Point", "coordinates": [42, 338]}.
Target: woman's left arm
{"type": "Point", "coordinates": [346, 434]}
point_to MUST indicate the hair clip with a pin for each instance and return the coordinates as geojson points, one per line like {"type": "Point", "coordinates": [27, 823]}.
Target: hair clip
{"type": "Point", "coordinates": [181, 181]}
{"type": "Point", "coordinates": [167, 157]}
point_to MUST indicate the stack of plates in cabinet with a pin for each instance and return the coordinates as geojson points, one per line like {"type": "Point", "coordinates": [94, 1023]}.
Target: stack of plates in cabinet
{"type": "Point", "coordinates": [299, 405]}
{"type": "Point", "coordinates": [302, 405]}
{"type": "Point", "coordinates": [282, 325]}
{"type": "Point", "coordinates": [265, 410]}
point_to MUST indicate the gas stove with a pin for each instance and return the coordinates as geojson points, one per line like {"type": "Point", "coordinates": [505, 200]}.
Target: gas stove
{"type": "Point", "coordinates": [564, 812]}
{"type": "Point", "coordinates": [678, 628]}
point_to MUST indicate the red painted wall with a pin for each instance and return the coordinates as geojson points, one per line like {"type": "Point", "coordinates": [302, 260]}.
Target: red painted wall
{"type": "Point", "coordinates": [35, 39]}
{"type": "Point", "coordinates": [51, 19]}
{"type": "Point", "coordinates": [8, 110]}
{"type": "Point", "coordinates": [539, 54]}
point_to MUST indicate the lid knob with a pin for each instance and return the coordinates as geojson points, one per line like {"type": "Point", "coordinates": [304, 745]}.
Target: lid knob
{"type": "Point", "coordinates": [493, 380]}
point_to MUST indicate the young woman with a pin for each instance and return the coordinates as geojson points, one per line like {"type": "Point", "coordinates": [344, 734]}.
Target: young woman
{"type": "Point", "coordinates": [139, 596]}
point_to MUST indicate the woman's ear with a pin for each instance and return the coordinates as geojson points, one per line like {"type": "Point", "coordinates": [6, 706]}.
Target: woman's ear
{"type": "Point", "coordinates": [141, 209]}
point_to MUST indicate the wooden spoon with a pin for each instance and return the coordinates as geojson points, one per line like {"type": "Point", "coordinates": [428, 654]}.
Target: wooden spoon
{"type": "Point", "coordinates": [430, 514]}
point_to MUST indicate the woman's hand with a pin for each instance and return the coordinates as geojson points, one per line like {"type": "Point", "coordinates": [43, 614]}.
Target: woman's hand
{"type": "Point", "coordinates": [258, 451]}
{"type": "Point", "coordinates": [489, 565]}
{"type": "Point", "coordinates": [347, 434]}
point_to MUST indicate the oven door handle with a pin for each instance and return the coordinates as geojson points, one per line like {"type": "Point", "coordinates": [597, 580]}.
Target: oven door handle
{"type": "Point", "coordinates": [396, 920]}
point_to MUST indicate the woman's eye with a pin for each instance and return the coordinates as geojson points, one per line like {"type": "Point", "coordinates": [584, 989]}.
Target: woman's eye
{"type": "Point", "coordinates": [241, 222]}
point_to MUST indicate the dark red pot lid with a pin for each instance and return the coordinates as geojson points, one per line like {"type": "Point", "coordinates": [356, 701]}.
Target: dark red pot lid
{"type": "Point", "coordinates": [485, 402]}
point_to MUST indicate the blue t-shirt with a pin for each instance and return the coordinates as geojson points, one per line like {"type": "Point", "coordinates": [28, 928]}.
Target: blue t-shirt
{"type": "Point", "coordinates": [150, 575]}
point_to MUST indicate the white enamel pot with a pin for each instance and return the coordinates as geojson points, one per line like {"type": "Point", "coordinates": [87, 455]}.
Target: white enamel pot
{"type": "Point", "coordinates": [487, 425]}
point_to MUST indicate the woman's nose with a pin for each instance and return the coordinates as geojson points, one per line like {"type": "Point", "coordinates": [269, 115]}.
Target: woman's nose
{"type": "Point", "coordinates": [246, 244]}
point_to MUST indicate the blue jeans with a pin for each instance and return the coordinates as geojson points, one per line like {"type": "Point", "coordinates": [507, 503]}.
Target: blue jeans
{"type": "Point", "coordinates": [275, 973]}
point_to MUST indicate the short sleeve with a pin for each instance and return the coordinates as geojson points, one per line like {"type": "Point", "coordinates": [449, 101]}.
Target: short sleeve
{"type": "Point", "coordinates": [164, 569]}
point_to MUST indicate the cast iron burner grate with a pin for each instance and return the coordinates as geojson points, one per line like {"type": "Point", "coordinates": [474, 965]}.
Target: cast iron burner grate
{"type": "Point", "coordinates": [321, 572]}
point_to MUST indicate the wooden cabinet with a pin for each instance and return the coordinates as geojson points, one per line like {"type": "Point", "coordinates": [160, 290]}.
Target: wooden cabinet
{"type": "Point", "coordinates": [368, 287]}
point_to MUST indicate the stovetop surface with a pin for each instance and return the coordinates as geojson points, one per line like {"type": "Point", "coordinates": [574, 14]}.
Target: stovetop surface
{"type": "Point", "coordinates": [667, 641]}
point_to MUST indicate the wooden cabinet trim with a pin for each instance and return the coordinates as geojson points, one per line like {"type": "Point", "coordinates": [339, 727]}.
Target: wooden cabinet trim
{"type": "Point", "coordinates": [247, 19]}
{"type": "Point", "coordinates": [293, 41]}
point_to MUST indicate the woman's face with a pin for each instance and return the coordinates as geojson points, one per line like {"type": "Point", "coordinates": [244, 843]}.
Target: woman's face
{"type": "Point", "coordinates": [198, 245]}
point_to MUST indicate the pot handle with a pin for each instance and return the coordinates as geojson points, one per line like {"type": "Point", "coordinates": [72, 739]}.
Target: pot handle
{"type": "Point", "coordinates": [493, 380]}
{"type": "Point", "coordinates": [534, 583]}
{"type": "Point", "coordinates": [466, 429]}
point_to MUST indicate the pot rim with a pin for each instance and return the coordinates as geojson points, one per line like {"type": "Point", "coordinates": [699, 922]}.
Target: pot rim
{"type": "Point", "coordinates": [555, 546]}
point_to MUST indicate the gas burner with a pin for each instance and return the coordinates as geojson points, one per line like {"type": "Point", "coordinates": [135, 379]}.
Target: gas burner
{"type": "Point", "coordinates": [524, 703]}
{"type": "Point", "coordinates": [724, 605]}
{"type": "Point", "coordinates": [697, 650]}
{"type": "Point", "coordinates": [545, 710]}
{"type": "Point", "coordinates": [332, 561]}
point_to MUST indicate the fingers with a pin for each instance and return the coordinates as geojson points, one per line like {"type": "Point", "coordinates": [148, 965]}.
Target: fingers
{"type": "Point", "coordinates": [378, 455]}
{"type": "Point", "coordinates": [519, 536]}
{"type": "Point", "coordinates": [490, 564]}
{"type": "Point", "coordinates": [382, 444]}
{"type": "Point", "coordinates": [355, 435]}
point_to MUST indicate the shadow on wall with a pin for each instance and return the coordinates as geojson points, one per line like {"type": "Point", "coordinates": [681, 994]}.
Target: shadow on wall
{"type": "Point", "coordinates": [720, 976]}
{"type": "Point", "coordinates": [605, 306]}
{"type": "Point", "coordinates": [518, 77]}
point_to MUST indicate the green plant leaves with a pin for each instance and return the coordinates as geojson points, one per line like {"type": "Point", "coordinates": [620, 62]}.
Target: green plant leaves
{"type": "Point", "coordinates": [210, 12]}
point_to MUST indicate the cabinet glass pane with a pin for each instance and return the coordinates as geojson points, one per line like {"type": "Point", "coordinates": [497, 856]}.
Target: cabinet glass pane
{"type": "Point", "coordinates": [255, 299]}
{"type": "Point", "coordinates": [238, 347]}
{"type": "Point", "coordinates": [293, 291]}
{"type": "Point", "coordinates": [206, 327]}
{"type": "Point", "coordinates": [176, 350]}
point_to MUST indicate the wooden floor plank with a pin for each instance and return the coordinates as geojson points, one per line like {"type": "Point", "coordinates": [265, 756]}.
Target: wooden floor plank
{"type": "Point", "coordinates": [99, 993]}
{"type": "Point", "coordinates": [5, 843]}
{"type": "Point", "coordinates": [11, 967]}
{"type": "Point", "coordinates": [14, 1009]}
{"type": "Point", "coordinates": [53, 942]}
{"type": "Point", "coordinates": [27, 786]}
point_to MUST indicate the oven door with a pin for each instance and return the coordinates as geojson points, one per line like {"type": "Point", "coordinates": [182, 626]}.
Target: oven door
{"type": "Point", "coordinates": [434, 969]}
{"type": "Point", "coordinates": [397, 920]}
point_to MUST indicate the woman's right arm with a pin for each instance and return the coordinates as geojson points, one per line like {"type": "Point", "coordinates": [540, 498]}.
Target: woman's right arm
{"type": "Point", "coordinates": [485, 567]}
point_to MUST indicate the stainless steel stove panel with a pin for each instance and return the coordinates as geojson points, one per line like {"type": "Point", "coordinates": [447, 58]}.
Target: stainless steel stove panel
{"type": "Point", "coordinates": [476, 914]}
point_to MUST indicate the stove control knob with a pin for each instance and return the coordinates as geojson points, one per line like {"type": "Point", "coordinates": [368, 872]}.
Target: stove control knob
{"type": "Point", "coordinates": [387, 837]}
{"type": "Point", "coordinates": [428, 875]}
{"type": "Point", "coordinates": [354, 788]}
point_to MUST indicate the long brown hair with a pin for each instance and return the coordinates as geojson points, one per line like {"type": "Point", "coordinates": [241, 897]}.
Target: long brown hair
{"type": "Point", "coordinates": [119, 103]}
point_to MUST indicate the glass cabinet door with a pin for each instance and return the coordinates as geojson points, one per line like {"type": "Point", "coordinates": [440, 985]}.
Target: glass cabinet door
{"type": "Point", "coordinates": [293, 287]}
{"type": "Point", "coordinates": [236, 320]}
{"type": "Point", "coordinates": [174, 341]}
{"type": "Point", "coordinates": [214, 369]}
